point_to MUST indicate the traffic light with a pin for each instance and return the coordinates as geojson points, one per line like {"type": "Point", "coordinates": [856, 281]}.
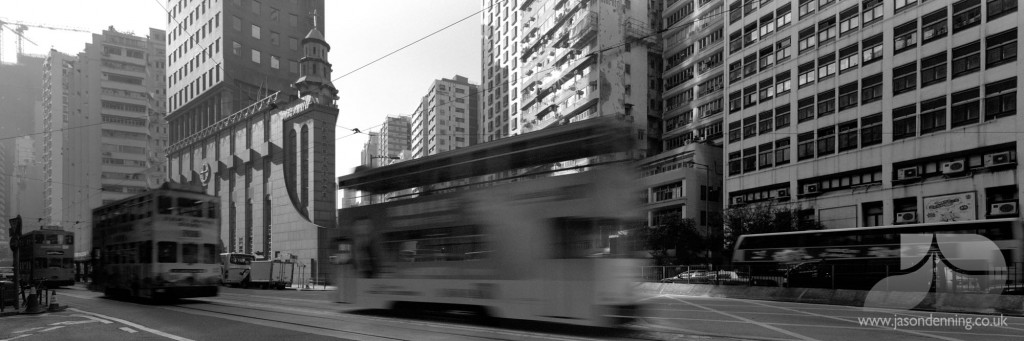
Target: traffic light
{"type": "Point", "coordinates": [14, 232]}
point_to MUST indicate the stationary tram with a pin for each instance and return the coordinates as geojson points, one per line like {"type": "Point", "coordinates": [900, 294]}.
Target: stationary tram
{"type": "Point", "coordinates": [535, 247]}
{"type": "Point", "coordinates": [46, 256]}
{"type": "Point", "coordinates": [158, 244]}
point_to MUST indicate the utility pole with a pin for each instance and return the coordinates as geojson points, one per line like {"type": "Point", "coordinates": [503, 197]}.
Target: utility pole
{"type": "Point", "coordinates": [13, 237]}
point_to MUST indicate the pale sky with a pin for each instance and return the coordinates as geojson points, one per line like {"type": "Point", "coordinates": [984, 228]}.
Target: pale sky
{"type": "Point", "coordinates": [359, 31]}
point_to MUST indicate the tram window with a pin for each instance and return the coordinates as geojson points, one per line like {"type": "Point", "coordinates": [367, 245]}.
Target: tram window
{"type": "Point", "coordinates": [240, 260]}
{"type": "Point", "coordinates": [165, 205]}
{"type": "Point", "coordinates": [69, 239]}
{"type": "Point", "coordinates": [190, 207]}
{"type": "Point", "coordinates": [574, 238]}
{"type": "Point", "coordinates": [189, 253]}
{"type": "Point", "coordinates": [209, 254]}
{"type": "Point", "coordinates": [40, 239]}
{"type": "Point", "coordinates": [167, 252]}
{"type": "Point", "coordinates": [146, 252]}
{"type": "Point", "coordinates": [68, 263]}
{"type": "Point", "coordinates": [54, 262]}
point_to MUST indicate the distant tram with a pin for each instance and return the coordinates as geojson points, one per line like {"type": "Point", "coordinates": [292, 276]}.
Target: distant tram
{"type": "Point", "coordinates": [46, 257]}
{"type": "Point", "coordinates": [158, 244]}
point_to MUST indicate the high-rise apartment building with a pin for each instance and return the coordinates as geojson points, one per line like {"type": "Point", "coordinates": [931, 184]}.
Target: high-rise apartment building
{"type": "Point", "coordinates": [875, 112]}
{"type": "Point", "coordinates": [500, 59]}
{"type": "Point", "coordinates": [371, 148]}
{"type": "Point", "coordinates": [446, 118]}
{"type": "Point", "coordinates": [20, 86]}
{"type": "Point", "coordinates": [100, 110]}
{"type": "Point", "coordinates": [227, 54]}
{"type": "Point", "coordinates": [682, 175]}
{"type": "Point", "coordinates": [395, 137]}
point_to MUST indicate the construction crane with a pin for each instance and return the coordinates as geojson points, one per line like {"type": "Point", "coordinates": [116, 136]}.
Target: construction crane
{"type": "Point", "coordinates": [20, 28]}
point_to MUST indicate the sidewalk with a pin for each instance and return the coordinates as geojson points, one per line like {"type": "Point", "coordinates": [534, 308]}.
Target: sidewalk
{"type": "Point", "coordinates": [311, 288]}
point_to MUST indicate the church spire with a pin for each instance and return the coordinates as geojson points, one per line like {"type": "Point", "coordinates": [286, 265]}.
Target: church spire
{"type": "Point", "coordinates": [314, 70]}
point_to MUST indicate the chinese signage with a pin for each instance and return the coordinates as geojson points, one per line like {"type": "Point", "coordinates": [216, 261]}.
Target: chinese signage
{"type": "Point", "coordinates": [953, 207]}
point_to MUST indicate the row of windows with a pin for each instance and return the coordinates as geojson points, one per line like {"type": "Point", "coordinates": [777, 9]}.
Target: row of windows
{"type": "Point", "coordinates": [870, 90]}
{"type": "Point", "coordinates": [965, 106]}
{"type": "Point", "coordinates": [128, 121]}
{"type": "Point", "coordinates": [166, 252]}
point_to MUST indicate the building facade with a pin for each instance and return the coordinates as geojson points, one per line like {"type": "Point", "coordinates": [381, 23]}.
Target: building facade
{"type": "Point", "coordinates": [395, 137]}
{"type": "Point", "coordinates": [223, 56]}
{"type": "Point", "coordinates": [875, 112]}
{"type": "Point", "coordinates": [500, 59]}
{"type": "Point", "coordinates": [272, 166]}
{"type": "Point", "coordinates": [447, 117]}
{"type": "Point", "coordinates": [100, 110]}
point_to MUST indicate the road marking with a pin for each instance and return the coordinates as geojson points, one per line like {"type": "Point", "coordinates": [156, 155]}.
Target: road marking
{"type": "Point", "coordinates": [137, 326]}
{"type": "Point", "coordinates": [763, 325]}
{"type": "Point", "coordinates": [94, 318]}
{"type": "Point", "coordinates": [68, 323]}
{"type": "Point", "coordinates": [849, 321]}
{"type": "Point", "coordinates": [26, 330]}
{"type": "Point", "coordinates": [133, 331]}
{"type": "Point", "coordinates": [17, 337]}
{"type": "Point", "coordinates": [51, 328]}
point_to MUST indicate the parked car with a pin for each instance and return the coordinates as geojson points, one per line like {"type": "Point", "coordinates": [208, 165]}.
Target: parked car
{"type": "Point", "coordinates": [691, 276]}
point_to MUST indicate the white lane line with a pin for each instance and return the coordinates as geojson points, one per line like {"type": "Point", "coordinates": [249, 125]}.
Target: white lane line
{"type": "Point", "coordinates": [849, 321]}
{"type": "Point", "coordinates": [27, 330]}
{"type": "Point", "coordinates": [17, 337]}
{"type": "Point", "coordinates": [763, 325]}
{"type": "Point", "coordinates": [137, 326]}
{"type": "Point", "coordinates": [51, 328]}
{"type": "Point", "coordinates": [133, 331]}
{"type": "Point", "coordinates": [94, 318]}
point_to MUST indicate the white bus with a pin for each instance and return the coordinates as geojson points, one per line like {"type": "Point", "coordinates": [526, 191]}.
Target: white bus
{"type": "Point", "coordinates": [235, 268]}
{"type": "Point", "coordinates": [158, 244]}
{"type": "Point", "coordinates": [534, 249]}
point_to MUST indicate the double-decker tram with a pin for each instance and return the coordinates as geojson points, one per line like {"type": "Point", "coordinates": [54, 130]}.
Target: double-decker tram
{"type": "Point", "coordinates": [857, 258]}
{"type": "Point", "coordinates": [46, 256]}
{"type": "Point", "coordinates": [158, 244]}
{"type": "Point", "coordinates": [441, 234]}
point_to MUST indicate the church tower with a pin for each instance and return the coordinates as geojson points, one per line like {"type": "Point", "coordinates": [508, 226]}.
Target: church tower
{"type": "Point", "coordinates": [315, 71]}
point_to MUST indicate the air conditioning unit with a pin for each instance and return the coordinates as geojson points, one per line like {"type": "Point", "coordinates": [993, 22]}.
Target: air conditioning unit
{"type": "Point", "coordinates": [954, 167]}
{"type": "Point", "coordinates": [997, 159]}
{"type": "Point", "coordinates": [738, 200]}
{"type": "Point", "coordinates": [1003, 209]}
{"type": "Point", "coordinates": [906, 217]}
{"type": "Point", "coordinates": [811, 189]}
{"type": "Point", "coordinates": [907, 173]}
{"type": "Point", "coordinates": [782, 193]}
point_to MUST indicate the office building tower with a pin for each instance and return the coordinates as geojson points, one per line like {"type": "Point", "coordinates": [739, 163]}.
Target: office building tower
{"type": "Point", "coordinates": [446, 118]}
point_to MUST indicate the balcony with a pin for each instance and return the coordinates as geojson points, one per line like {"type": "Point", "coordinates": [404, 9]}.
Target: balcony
{"type": "Point", "coordinates": [585, 28]}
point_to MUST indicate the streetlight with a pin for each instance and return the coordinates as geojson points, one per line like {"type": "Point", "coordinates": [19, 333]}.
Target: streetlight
{"type": "Point", "coordinates": [707, 210]}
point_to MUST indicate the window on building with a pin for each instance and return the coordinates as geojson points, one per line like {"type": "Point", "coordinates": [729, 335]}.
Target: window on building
{"type": "Point", "coordinates": [750, 159]}
{"type": "Point", "coordinates": [806, 7]}
{"type": "Point", "coordinates": [871, 88]}
{"type": "Point", "coordinates": [782, 151]}
{"type": "Point", "coordinates": [782, 83]}
{"type": "Point", "coordinates": [293, 20]}
{"type": "Point", "coordinates": [767, 89]}
{"type": "Point", "coordinates": [735, 159]}
{"type": "Point", "coordinates": [872, 51]}
{"type": "Point", "coordinates": [275, 62]}
{"type": "Point", "coordinates": [848, 135]}
{"type": "Point", "coordinates": [735, 131]}
{"type": "Point", "coordinates": [873, 11]}
{"type": "Point", "coordinates": [275, 38]}
{"type": "Point", "coordinates": [871, 130]}
{"type": "Point", "coordinates": [735, 72]}
{"type": "Point", "coordinates": [766, 58]}
{"type": "Point", "coordinates": [1001, 98]}
{"type": "Point", "coordinates": [848, 95]}
{"type": "Point", "coordinates": [998, 8]}
{"type": "Point", "coordinates": [966, 59]}
{"type": "Point", "coordinates": [275, 14]}
{"type": "Point", "coordinates": [765, 120]}
{"type": "Point", "coordinates": [805, 109]}
{"type": "Point", "coordinates": [905, 36]}
{"type": "Point", "coordinates": [849, 20]}
{"type": "Point", "coordinates": [750, 65]}
{"type": "Point", "coordinates": [904, 122]}
{"type": "Point", "coordinates": [767, 25]}
{"type": "Point", "coordinates": [901, 4]}
{"type": "Point", "coordinates": [826, 66]}
{"type": "Point", "coordinates": [256, 8]}
{"type": "Point", "coordinates": [827, 102]}
{"type": "Point", "coordinates": [782, 116]}
{"type": "Point", "coordinates": [826, 141]}
{"type": "Point", "coordinates": [805, 146]}
{"type": "Point", "coordinates": [750, 34]}
{"type": "Point", "coordinates": [749, 96]}
{"type": "Point", "coordinates": [735, 101]}
{"type": "Point", "coordinates": [236, 48]}
{"type": "Point", "coordinates": [904, 78]}
{"type": "Point", "coordinates": [933, 69]}
{"type": "Point", "coordinates": [806, 39]}
{"type": "Point", "coordinates": [933, 115]}
{"type": "Point", "coordinates": [765, 155]}
{"type": "Point", "coordinates": [934, 25]}
{"type": "Point", "coordinates": [806, 74]}
{"type": "Point", "coordinates": [1001, 48]}
{"type": "Point", "coordinates": [750, 127]}
{"type": "Point", "coordinates": [848, 58]}
{"type": "Point", "coordinates": [255, 32]}
{"type": "Point", "coordinates": [966, 14]}
{"type": "Point", "coordinates": [735, 41]}
{"type": "Point", "coordinates": [256, 56]}
{"type": "Point", "coordinates": [965, 107]}
{"type": "Point", "coordinates": [872, 214]}
{"type": "Point", "coordinates": [783, 15]}
{"type": "Point", "coordinates": [826, 30]}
